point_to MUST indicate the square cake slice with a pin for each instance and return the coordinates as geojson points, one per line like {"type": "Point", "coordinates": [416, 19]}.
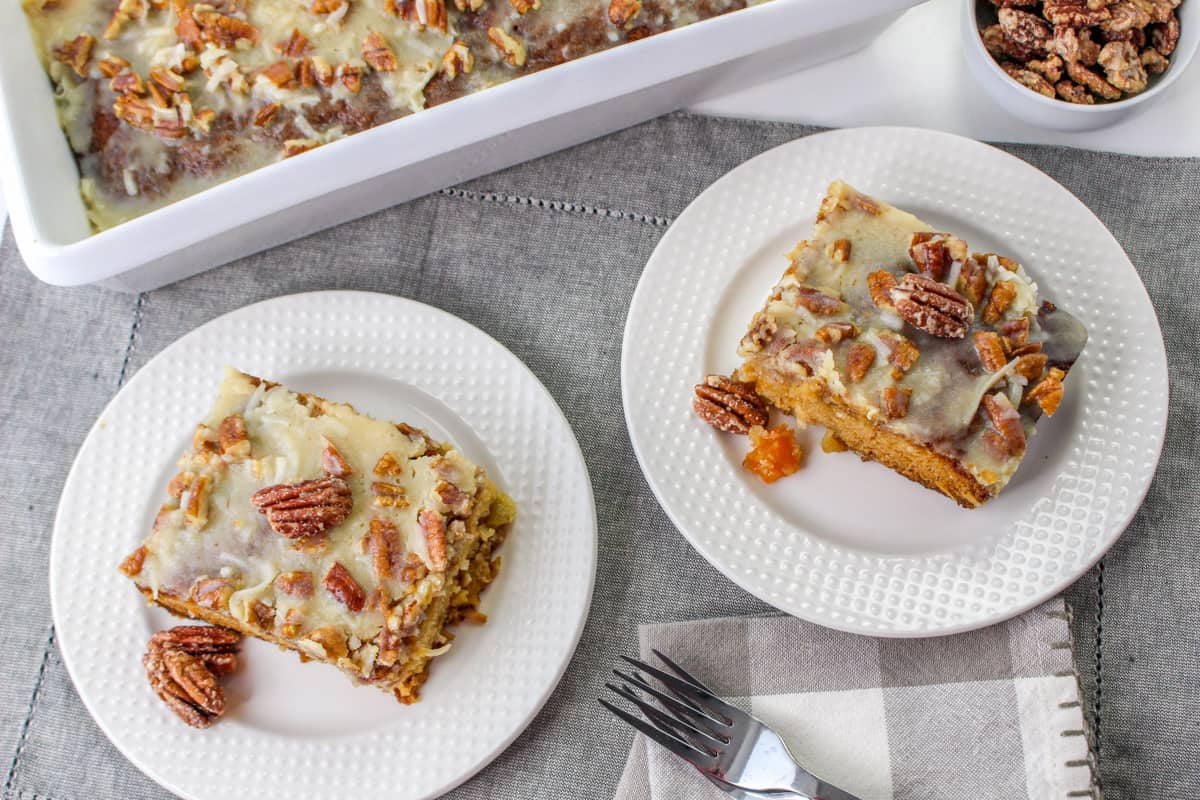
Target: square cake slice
{"type": "Point", "coordinates": [909, 348]}
{"type": "Point", "coordinates": [297, 520]}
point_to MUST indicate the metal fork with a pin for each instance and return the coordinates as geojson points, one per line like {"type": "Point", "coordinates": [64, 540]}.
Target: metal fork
{"type": "Point", "coordinates": [732, 749]}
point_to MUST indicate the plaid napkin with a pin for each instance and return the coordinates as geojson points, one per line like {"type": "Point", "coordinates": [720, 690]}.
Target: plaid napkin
{"type": "Point", "coordinates": [993, 713]}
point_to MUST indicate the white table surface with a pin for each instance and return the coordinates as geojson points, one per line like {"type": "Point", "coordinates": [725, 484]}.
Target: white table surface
{"type": "Point", "coordinates": [914, 74]}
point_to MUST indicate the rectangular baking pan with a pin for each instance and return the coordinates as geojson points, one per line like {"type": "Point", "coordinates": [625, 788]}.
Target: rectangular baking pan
{"type": "Point", "coordinates": [468, 137]}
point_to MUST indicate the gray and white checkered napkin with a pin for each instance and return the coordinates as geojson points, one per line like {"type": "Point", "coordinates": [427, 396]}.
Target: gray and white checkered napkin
{"type": "Point", "coordinates": [993, 713]}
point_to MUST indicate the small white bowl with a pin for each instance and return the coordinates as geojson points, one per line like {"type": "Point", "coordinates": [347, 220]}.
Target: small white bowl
{"type": "Point", "coordinates": [1045, 112]}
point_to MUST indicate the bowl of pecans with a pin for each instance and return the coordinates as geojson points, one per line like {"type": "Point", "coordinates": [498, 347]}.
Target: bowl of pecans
{"type": "Point", "coordinates": [1078, 64]}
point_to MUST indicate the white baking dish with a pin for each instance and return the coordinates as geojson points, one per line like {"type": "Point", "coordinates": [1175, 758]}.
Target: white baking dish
{"type": "Point", "coordinates": [463, 139]}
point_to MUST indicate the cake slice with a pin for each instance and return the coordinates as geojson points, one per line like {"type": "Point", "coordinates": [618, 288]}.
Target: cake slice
{"type": "Point", "coordinates": [353, 541]}
{"type": "Point", "coordinates": [909, 348]}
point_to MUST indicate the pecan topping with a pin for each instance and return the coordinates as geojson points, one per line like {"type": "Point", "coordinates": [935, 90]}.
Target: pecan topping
{"type": "Point", "coordinates": [132, 565]}
{"type": "Point", "coordinates": [351, 77]}
{"type": "Point", "coordinates": [729, 405]}
{"type": "Point", "coordinates": [1006, 424]}
{"type": "Point", "coordinates": [1031, 365]}
{"type": "Point", "coordinates": [341, 584]}
{"type": "Point", "coordinates": [222, 30]}
{"type": "Point", "coordinates": [434, 526]}
{"type": "Point", "coordinates": [1015, 332]}
{"type": "Point", "coordinates": [112, 66]}
{"type": "Point", "coordinates": [294, 147]}
{"type": "Point", "coordinates": [265, 114]}
{"type": "Point", "coordinates": [932, 307]}
{"type": "Point", "coordinates": [232, 437]}
{"type": "Point", "coordinates": [308, 508]}
{"type": "Point", "coordinates": [895, 401]}
{"type": "Point", "coordinates": [1048, 392]}
{"type": "Point", "coordinates": [859, 359]}
{"type": "Point", "coordinates": [840, 250]}
{"type": "Point", "coordinates": [212, 592]}
{"type": "Point", "coordinates": [807, 354]}
{"type": "Point", "coordinates": [818, 302]}
{"type": "Point", "coordinates": [512, 48]}
{"type": "Point", "coordinates": [387, 466]}
{"type": "Point", "coordinates": [297, 584]}
{"type": "Point", "coordinates": [382, 543]}
{"type": "Point", "coordinates": [833, 332]}
{"type": "Point", "coordinates": [389, 495]}
{"type": "Point", "coordinates": [76, 53]}
{"type": "Point", "coordinates": [902, 353]}
{"type": "Point", "coordinates": [334, 463]}
{"type": "Point", "coordinates": [622, 12]}
{"type": "Point", "coordinates": [458, 60]}
{"type": "Point", "coordinates": [991, 351]}
{"type": "Point", "coordinates": [762, 331]}
{"type": "Point", "coordinates": [195, 510]}
{"type": "Point", "coordinates": [125, 12]}
{"type": "Point", "coordinates": [375, 51]}
{"type": "Point", "coordinates": [1002, 296]}
{"type": "Point", "coordinates": [281, 74]}
{"type": "Point", "coordinates": [425, 13]}
{"type": "Point", "coordinates": [930, 253]}
{"type": "Point", "coordinates": [322, 71]}
{"type": "Point", "coordinates": [881, 283]}
{"type": "Point", "coordinates": [457, 502]}
{"type": "Point", "coordinates": [972, 280]}
{"type": "Point", "coordinates": [332, 641]}
{"type": "Point", "coordinates": [295, 46]}
{"type": "Point", "coordinates": [524, 6]}
{"type": "Point", "coordinates": [414, 568]}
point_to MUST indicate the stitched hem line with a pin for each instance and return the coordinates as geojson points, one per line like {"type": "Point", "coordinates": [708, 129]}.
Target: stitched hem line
{"type": "Point", "coordinates": [557, 205]}
{"type": "Point", "coordinates": [132, 343]}
{"type": "Point", "coordinates": [38, 683]}
{"type": "Point", "coordinates": [1096, 716]}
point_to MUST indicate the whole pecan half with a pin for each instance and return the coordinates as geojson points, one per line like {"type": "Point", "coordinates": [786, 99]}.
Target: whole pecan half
{"type": "Point", "coordinates": [729, 405]}
{"type": "Point", "coordinates": [932, 306]}
{"type": "Point", "coordinates": [182, 665]}
{"type": "Point", "coordinates": [308, 508]}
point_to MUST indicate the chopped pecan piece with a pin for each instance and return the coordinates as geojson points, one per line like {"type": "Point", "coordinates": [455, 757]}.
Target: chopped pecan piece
{"type": "Point", "coordinates": [212, 592]}
{"type": "Point", "coordinates": [880, 283]}
{"type": "Point", "coordinates": [895, 401]}
{"type": "Point", "coordinates": [762, 332]}
{"type": "Point", "coordinates": [1029, 79]}
{"type": "Point", "coordinates": [1006, 422]}
{"type": "Point", "coordinates": [341, 584]}
{"type": "Point", "coordinates": [622, 12]}
{"type": "Point", "coordinates": [1002, 296]}
{"type": "Point", "coordinates": [414, 568]}
{"type": "Point", "coordinates": [195, 509]}
{"type": "Point", "coordinates": [295, 46]}
{"type": "Point", "coordinates": [1074, 93]}
{"type": "Point", "coordinates": [1123, 67]}
{"type": "Point", "coordinates": [729, 405]}
{"type": "Point", "coordinates": [1015, 332]}
{"type": "Point", "coordinates": [132, 565]}
{"type": "Point", "coordinates": [332, 641]}
{"type": "Point", "coordinates": [840, 251]}
{"type": "Point", "coordinates": [308, 508]}
{"type": "Point", "coordinates": [378, 54]}
{"type": "Point", "coordinates": [111, 66]}
{"type": "Point", "coordinates": [1026, 33]}
{"type": "Point", "coordinates": [281, 73]}
{"type": "Point", "coordinates": [297, 583]}
{"type": "Point", "coordinates": [807, 354]}
{"type": "Point", "coordinates": [991, 351]}
{"type": "Point", "coordinates": [232, 437]}
{"type": "Point", "coordinates": [1031, 365]}
{"type": "Point", "coordinates": [294, 147]}
{"type": "Point", "coordinates": [334, 463]}
{"type": "Point", "coordinates": [322, 71]}
{"type": "Point", "coordinates": [351, 77]}
{"type": "Point", "coordinates": [932, 306]}
{"type": "Point", "coordinates": [1075, 13]}
{"type": "Point", "coordinates": [382, 543]}
{"type": "Point", "coordinates": [389, 495]}
{"type": "Point", "coordinates": [222, 30]}
{"type": "Point", "coordinates": [458, 60]}
{"type": "Point", "coordinates": [833, 332]}
{"type": "Point", "coordinates": [972, 280]}
{"type": "Point", "coordinates": [388, 467]}
{"type": "Point", "coordinates": [1165, 37]}
{"type": "Point", "coordinates": [125, 12]}
{"type": "Point", "coordinates": [1092, 82]}
{"type": "Point", "coordinates": [902, 353]}
{"type": "Point", "coordinates": [434, 526]}
{"type": "Point", "coordinates": [1048, 392]}
{"type": "Point", "coordinates": [168, 79]}
{"type": "Point", "coordinates": [128, 83]}
{"type": "Point", "coordinates": [76, 53]}
{"type": "Point", "coordinates": [859, 359]}
{"type": "Point", "coordinates": [512, 48]}
{"type": "Point", "coordinates": [818, 302]}
{"type": "Point", "coordinates": [929, 252]}
{"type": "Point", "coordinates": [456, 501]}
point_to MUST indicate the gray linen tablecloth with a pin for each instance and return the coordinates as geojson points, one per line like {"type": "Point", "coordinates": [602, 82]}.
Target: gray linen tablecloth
{"type": "Point", "coordinates": [545, 257]}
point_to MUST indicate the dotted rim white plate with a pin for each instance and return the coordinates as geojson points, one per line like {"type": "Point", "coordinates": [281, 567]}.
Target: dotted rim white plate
{"type": "Point", "coordinates": [852, 545]}
{"type": "Point", "coordinates": [298, 730]}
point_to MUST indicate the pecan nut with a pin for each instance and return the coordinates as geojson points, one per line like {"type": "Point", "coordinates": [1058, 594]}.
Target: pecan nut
{"type": "Point", "coordinates": [308, 508]}
{"type": "Point", "coordinates": [932, 306]}
{"type": "Point", "coordinates": [1026, 33]}
{"type": "Point", "coordinates": [182, 665]}
{"type": "Point", "coordinates": [1006, 437]}
{"type": "Point", "coordinates": [434, 526]}
{"type": "Point", "coordinates": [729, 405]}
{"type": "Point", "coordinates": [341, 584]}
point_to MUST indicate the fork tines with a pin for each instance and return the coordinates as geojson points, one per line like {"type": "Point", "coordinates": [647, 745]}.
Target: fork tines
{"type": "Point", "coordinates": [695, 723]}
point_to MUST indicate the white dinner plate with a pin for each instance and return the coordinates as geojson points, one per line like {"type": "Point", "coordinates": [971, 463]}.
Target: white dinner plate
{"type": "Point", "coordinates": [296, 730]}
{"type": "Point", "coordinates": [852, 545]}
